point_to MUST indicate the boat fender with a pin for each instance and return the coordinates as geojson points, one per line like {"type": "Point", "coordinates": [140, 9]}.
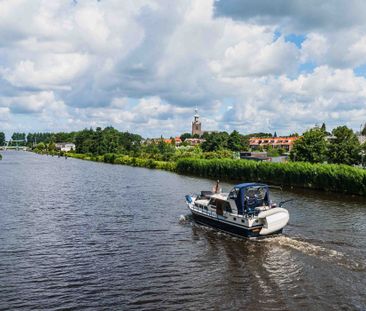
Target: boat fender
{"type": "Point", "coordinates": [273, 220]}
{"type": "Point", "coordinates": [189, 199]}
{"type": "Point", "coordinates": [272, 211]}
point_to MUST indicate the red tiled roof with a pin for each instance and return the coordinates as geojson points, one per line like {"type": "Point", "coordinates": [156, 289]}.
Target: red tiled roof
{"type": "Point", "coordinates": [273, 140]}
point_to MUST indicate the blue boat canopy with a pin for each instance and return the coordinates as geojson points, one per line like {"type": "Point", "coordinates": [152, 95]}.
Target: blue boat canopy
{"type": "Point", "coordinates": [248, 196]}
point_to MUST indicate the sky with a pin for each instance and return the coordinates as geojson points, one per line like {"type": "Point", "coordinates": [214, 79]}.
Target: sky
{"type": "Point", "coordinates": [143, 66]}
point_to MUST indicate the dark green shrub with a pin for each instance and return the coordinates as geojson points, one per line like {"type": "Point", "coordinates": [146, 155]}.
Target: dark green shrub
{"type": "Point", "coordinates": [329, 177]}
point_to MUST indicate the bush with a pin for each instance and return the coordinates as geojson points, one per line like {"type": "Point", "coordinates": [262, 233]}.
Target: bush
{"type": "Point", "coordinates": [329, 177]}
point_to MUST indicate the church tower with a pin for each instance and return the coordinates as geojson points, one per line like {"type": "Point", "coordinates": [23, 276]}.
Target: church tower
{"type": "Point", "coordinates": [196, 124]}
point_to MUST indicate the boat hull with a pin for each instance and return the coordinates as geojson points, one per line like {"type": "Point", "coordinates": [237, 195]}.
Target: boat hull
{"type": "Point", "coordinates": [231, 229]}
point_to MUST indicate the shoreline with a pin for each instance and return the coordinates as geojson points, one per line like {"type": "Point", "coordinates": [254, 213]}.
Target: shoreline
{"type": "Point", "coordinates": [328, 178]}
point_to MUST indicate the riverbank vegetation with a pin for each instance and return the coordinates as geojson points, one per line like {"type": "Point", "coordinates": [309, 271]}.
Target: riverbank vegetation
{"type": "Point", "coordinates": [318, 160]}
{"type": "Point", "coordinates": [328, 177]}
{"type": "Point", "coordinates": [2, 138]}
{"type": "Point", "coordinates": [339, 147]}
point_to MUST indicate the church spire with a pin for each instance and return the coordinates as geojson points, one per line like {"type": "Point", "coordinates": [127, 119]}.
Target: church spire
{"type": "Point", "coordinates": [196, 124]}
{"type": "Point", "coordinates": [196, 115]}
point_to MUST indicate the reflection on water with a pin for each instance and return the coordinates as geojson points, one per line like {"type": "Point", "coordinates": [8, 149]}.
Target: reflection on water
{"type": "Point", "coordinates": [83, 235]}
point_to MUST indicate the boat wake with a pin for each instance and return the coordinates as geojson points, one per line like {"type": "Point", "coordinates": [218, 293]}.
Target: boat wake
{"type": "Point", "coordinates": [184, 219]}
{"type": "Point", "coordinates": [320, 252]}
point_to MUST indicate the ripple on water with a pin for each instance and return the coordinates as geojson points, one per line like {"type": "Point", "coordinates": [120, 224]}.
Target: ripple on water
{"type": "Point", "coordinates": [83, 235]}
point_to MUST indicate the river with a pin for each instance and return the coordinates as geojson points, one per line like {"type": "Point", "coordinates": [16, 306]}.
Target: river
{"type": "Point", "coordinates": [80, 235]}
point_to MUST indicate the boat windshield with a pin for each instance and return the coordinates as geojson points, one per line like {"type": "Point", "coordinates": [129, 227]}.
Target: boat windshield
{"type": "Point", "coordinates": [256, 196]}
{"type": "Point", "coordinates": [234, 193]}
{"type": "Point", "coordinates": [256, 192]}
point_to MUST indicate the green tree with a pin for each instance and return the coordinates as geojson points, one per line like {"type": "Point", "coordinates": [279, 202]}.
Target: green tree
{"type": "Point", "coordinates": [2, 139]}
{"type": "Point", "coordinates": [41, 146]}
{"type": "Point", "coordinates": [272, 152]}
{"type": "Point", "coordinates": [184, 136]}
{"type": "Point", "coordinates": [237, 142]}
{"type": "Point", "coordinates": [108, 140]}
{"type": "Point", "coordinates": [51, 146]}
{"type": "Point", "coordinates": [363, 132]}
{"type": "Point", "coordinates": [344, 148]}
{"type": "Point", "coordinates": [311, 147]}
{"type": "Point", "coordinates": [19, 136]}
{"type": "Point", "coordinates": [323, 127]}
{"type": "Point", "coordinates": [166, 150]}
{"type": "Point", "coordinates": [84, 141]}
{"type": "Point", "coordinates": [215, 141]}
{"type": "Point", "coordinates": [259, 135]}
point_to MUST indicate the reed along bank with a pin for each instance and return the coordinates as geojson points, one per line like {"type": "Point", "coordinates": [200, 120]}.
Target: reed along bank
{"type": "Point", "coordinates": [327, 177]}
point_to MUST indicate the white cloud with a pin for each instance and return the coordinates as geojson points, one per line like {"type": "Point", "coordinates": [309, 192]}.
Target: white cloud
{"type": "Point", "coordinates": [144, 65]}
{"type": "Point", "coordinates": [297, 15]}
{"type": "Point", "coordinates": [314, 48]}
{"type": "Point", "coordinates": [259, 57]}
{"type": "Point", "coordinates": [325, 81]}
{"type": "Point", "coordinates": [51, 71]}
{"type": "Point", "coordinates": [357, 51]}
{"type": "Point", "coordinates": [151, 112]}
{"type": "Point", "coordinates": [33, 103]}
{"type": "Point", "coordinates": [332, 95]}
{"type": "Point", "coordinates": [4, 113]}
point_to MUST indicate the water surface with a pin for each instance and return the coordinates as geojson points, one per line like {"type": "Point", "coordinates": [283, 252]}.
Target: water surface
{"type": "Point", "coordinates": [80, 235]}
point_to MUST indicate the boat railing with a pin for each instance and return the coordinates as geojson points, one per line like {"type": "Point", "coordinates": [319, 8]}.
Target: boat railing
{"type": "Point", "coordinates": [205, 211]}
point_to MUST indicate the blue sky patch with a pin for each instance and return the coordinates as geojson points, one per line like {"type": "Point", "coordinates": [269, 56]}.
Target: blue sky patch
{"type": "Point", "coordinates": [296, 39]}
{"type": "Point", "coordinates": [360, 71]}
{"type": "Point", "coordinates": [307, 67]}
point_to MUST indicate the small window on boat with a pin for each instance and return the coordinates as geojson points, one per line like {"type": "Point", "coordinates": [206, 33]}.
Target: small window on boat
{"type": "Point", "coordinates": [226, 207]}
{"type": "Point", "coordinates": [234, 218]}
{"type": "Point", "coordinates": [242, 220]}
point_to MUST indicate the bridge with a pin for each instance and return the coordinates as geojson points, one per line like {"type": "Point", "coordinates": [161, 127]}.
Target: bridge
{"type": "Point", "coordinates": [9, 145]}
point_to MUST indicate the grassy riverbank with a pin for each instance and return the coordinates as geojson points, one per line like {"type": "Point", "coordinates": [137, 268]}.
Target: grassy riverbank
{"type": "Point", "coordinates": [327, 177]}
{"type": "Point", "coordinates": [126, 160]}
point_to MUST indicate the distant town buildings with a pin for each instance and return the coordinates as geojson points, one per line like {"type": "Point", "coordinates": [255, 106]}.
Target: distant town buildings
{"type": "Point", "coordinates": [194, 141]}
{"type": "Point", "coordinates": [286, 143]}
{"type": "Point", "coordinates": [177, 141]}
{"type": "Point", "coordinates": [65, 146]}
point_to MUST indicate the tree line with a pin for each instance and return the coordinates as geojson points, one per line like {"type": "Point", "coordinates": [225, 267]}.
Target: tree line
{"type": "Point", "coordinates": [341, 146]}
{"type": "Point", "coordinates": [317, 145]}
{"type": "Point", "coordinates": [32, 139]}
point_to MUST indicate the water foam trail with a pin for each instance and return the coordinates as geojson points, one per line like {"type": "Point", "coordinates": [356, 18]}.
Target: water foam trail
{"type": "Point", "coordinates": [322, 253]}
{"type": "Point", "coordinates": [183, 219]}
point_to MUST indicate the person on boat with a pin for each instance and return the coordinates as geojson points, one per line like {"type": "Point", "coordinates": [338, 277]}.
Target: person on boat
{"type": "Point", "coordinates": [216, 188]}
